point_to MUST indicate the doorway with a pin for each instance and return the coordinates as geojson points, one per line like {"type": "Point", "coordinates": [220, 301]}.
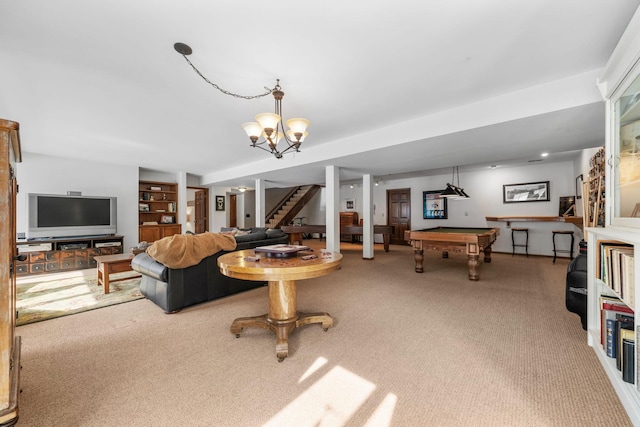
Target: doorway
{"type": "Point", "coordinates": [233, 213]}
{"type": "Point", "coordinates": [399, 214]}
{"type": "Point", "coordinates": [197, 209]}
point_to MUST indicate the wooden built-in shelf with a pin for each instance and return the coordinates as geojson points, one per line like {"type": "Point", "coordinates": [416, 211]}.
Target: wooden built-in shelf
{"type": "Point", "coordinates": [576, 220]}
{"type": "Point", "coordinates": [157, 210]}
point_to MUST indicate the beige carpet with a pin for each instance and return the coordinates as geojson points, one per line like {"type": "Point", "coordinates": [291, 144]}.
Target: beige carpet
{"type": "Point", "coordinates": [407, 349]}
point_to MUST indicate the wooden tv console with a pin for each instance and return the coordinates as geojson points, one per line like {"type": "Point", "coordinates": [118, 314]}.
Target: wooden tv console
{"type": "Point", "coordinates": [64, 253]}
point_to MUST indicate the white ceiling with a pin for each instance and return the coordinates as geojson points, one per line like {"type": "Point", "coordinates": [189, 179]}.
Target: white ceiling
{"type": "Point", "coordinates": [391, 88]}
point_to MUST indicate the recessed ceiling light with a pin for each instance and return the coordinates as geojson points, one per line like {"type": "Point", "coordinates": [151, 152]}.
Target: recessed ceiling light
{"type": "Point", "coordinates": [544, 154]}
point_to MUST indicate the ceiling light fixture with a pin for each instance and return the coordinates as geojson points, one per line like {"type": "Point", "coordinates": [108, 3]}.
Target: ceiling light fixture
{"type": "Point", "coordinates": [267, 126]}
{"type": "Point", "coordinates": [452, 191]}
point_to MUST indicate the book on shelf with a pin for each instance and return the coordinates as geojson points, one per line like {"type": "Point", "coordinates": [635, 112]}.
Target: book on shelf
{"type": "Point", "coordinates": [609, 307]}
{"type": "Point", "coordinates": [637, 362]}
{"type": "Point", "coordinates": [628, 365]}
{"type": "Point", "coordinates": [614, 267]}
{"type": "Point", "coordinates": [623, 330]}
{"type": "Point", "coordinates": [610, 344]}
{"type": "Point", "coordinates": [627, 267]}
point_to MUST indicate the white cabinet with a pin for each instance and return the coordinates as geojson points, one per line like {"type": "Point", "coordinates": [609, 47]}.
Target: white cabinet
{"type": "Point", "coordinates": [619, 85]}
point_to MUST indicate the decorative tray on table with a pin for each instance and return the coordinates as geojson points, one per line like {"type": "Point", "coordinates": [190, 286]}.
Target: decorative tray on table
{"type": "Point", "coordinates": [281, 251]}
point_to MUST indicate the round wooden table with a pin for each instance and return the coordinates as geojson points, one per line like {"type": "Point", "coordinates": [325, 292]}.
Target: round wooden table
{"type": "Point", "coordinates": [281, 273]}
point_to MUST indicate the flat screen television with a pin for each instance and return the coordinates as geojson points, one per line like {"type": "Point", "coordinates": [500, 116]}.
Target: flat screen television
{"type": "Point", "coordinates": [52, 215]}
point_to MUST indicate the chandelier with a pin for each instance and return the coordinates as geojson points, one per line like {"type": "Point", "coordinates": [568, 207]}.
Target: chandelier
{"type": "Point", "coordinates": [267, 126]}
{"type": "Point", "coordinates": [454, 191]}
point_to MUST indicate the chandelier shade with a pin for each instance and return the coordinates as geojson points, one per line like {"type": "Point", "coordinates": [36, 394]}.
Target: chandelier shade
{"type": "Point", "coordinates": [268, 120]}
{"type": "Point", "coordinates": [253, 129]}
{"type": "Point", "coordinates": [292, 136]}
{"type": "Point", "coordinates": [297, 125]}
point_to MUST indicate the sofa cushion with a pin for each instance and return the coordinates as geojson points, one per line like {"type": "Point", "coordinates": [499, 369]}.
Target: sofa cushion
{"type": "Point", "coordinates": [250, 237]}
{"type": "Point", "coordinates": [275, 233]}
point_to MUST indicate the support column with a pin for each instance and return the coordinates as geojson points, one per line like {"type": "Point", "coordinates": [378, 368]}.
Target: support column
{"type": "Point", "coordinates": [260, 196]}
{"type": "Point", "coordinates": [367, 217]}
{"type": "Point", "coordinates": [332, 185]}
{"type": "Point", "coordinates": [181, 178]}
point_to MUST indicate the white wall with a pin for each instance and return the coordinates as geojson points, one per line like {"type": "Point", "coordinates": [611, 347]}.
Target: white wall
{"type": "Point", "coordinates": [56, 175]}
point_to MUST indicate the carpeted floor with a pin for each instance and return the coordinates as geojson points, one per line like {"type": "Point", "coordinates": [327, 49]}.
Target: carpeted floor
{"type": "Point", "coordinates": [406, 349]}
{"type": "Point", "coordinates": [48, 296]}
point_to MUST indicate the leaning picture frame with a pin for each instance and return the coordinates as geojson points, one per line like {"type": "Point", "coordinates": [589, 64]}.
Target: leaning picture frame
{"type": "Point", "coordinates": [526, 192]}
{"type": "Point", "coordinates": [434, 206]}
{"type": "Point", "coordinates": [579, 180]}
{"type": "Point", "coordinates": [166, 219]}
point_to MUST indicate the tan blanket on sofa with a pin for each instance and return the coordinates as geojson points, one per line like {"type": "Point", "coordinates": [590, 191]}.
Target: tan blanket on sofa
{"type": "Point", "coordinates": [185, 250]}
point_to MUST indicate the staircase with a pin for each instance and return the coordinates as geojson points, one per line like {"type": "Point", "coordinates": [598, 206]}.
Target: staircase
{"type": "Point", "coordinates": [290, 205]}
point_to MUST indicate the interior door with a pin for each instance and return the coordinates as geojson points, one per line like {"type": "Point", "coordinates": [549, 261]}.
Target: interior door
{"type": "Point", "coordinates": [200, 217]}
{"type": "Point", "coordinates": [233, 214]}
{"type": "Point", "coordinates": [399, 214]}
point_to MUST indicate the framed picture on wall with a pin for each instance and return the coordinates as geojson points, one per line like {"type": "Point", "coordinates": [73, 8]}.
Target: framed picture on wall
{"type": "Point", "coordinates": [527, 192]}
{"type": "Point", "coordinates": [349, 204]}
{"type": "Point", "coordinates": [219, 203]}
{"type": "Point", "coordinates": [434, 206]}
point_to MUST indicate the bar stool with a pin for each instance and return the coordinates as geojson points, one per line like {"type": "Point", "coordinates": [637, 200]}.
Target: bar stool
{"type": "Point", "coordinates": [556, 251]}
{"type": "Point", "coordinates": [513, 240]}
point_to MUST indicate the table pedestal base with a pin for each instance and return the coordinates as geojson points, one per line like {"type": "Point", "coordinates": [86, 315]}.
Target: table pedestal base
{"type": "Point", "coordinates": [282, 328]}
{"type": "Point", "coordinates": [283, 317]}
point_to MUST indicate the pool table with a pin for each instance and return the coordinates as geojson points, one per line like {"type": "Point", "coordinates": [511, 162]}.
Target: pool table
{"type": "Point", "coordinates": [469, 240]}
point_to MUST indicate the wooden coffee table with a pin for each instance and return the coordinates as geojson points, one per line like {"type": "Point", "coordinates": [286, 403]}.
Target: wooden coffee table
{"type": "Point", "coordinates": [281, 273]}
{"type": "Point", "coordinates": [108, 264]}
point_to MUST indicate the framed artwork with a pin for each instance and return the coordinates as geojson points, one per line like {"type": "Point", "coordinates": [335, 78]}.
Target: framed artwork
{"type": "Point", "coordinates": [219, 203]}
{"type": "Point", "coordinates": [434, 206]}
{"type": "Point", "coordinates": [579, 180]}
{"type": "Point", "coordinates": [526, 192]}
{"type": "Point", "coordinates": [567, 206]}
{"type": "Point", "coordinates": [349, 204]}
{"type": "Point", "coordinates": [166, 219]}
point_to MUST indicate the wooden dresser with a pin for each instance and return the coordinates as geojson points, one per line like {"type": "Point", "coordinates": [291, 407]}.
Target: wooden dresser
{"type": "Point", "coordinates": [9, 343]}
{"type": "Point", "coordinates": [348, 218]}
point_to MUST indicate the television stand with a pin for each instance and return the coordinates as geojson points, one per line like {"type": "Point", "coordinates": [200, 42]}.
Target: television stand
{"type": "Point", "coordinates": [65, 253]}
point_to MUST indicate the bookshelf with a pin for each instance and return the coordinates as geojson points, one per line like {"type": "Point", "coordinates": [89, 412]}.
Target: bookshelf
{"type": "Point", "coordinates": [157, 210]}
{"type": "Point", "coordinates": [597, 285]}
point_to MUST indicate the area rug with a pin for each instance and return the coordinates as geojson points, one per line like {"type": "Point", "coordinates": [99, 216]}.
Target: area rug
{"type": "Point", "coordinates": [61, 294]}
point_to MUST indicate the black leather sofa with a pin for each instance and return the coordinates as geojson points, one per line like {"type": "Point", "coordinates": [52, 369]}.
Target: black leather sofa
{"type": "Point", "coordinates": [174, 289]}
{"type": "Point", "coordinates": [576, 285]}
